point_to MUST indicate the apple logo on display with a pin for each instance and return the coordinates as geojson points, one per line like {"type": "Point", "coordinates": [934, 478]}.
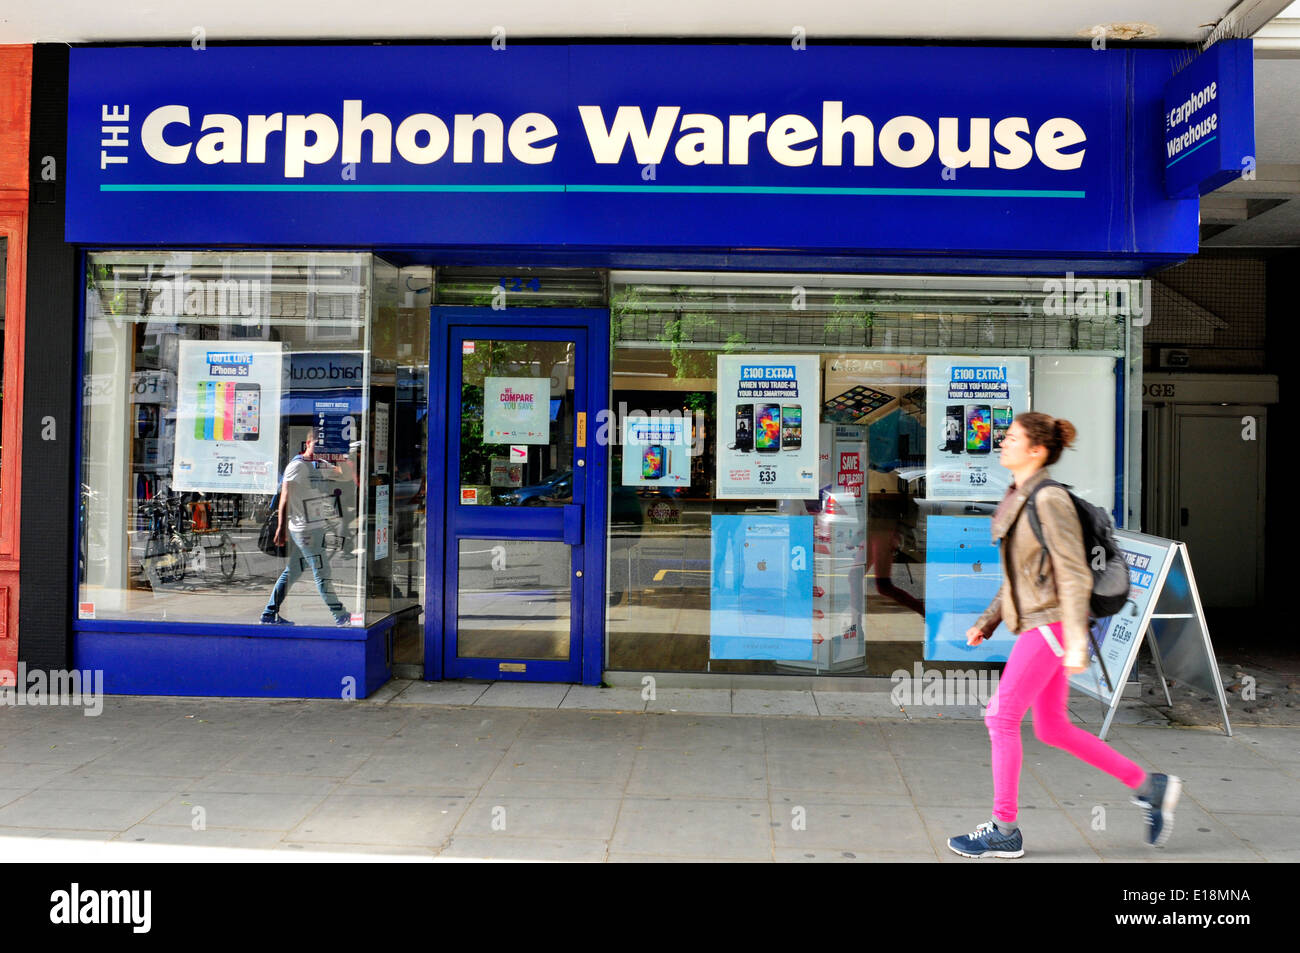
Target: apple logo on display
{"type": "Point", "coordinates": [762, 565]}
{"type": "Point", "coordinates": [977, 566]}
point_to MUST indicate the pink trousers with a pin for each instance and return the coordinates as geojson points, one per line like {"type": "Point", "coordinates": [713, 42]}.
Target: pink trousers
{"type": "Point", "coordinates": [1035, 677]}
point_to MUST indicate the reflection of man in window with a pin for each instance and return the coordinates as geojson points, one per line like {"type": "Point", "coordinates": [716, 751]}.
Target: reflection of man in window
{"type": "Point", "coordinates": [311, 512]}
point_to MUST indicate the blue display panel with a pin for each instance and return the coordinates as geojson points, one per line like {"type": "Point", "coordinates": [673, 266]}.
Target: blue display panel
{"type": "Point", "coordinates": [761, 600]}
{"type": "Point", "coordinates": [962, 575]}
{"type": "Point", "coordinates": [893, 149]}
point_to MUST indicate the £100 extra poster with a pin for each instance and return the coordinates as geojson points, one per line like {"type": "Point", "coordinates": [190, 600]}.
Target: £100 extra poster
{"type": "Point", "coordinates": [768, 423]}
{"type": "Point", "coordinates": [228, 417]}
{"type": "Point", "coordinates": [971, 403]}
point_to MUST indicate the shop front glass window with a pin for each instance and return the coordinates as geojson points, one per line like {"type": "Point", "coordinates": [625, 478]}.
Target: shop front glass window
{"type": "Point", "coordinates": [216, 385]}
{"type": "Point", "coordinates": [806, 471]}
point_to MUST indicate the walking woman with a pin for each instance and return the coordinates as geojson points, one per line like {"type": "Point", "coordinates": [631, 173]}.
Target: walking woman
{"type": "Point", "coordinates": [1045, 602]}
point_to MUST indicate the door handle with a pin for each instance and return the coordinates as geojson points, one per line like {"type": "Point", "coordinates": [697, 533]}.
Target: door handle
{"type": "Point", "coordinates": [573, 524]}
{"type": "Point", "coordinates": [1183, 516]}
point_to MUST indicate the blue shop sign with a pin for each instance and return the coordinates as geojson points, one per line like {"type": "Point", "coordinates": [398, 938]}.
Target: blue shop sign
{"type": "Point", "coordinates": [1209, 119]}
{"type": "Point", "coordinates": [1011, 152]}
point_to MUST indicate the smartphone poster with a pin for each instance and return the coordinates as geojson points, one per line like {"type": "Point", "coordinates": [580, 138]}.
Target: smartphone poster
{"type": "Point", "coordinates": [971, 402]}
{"type": "Point", "coordinates": [657, 450]}
{"type": "Point", "coordinates": [227, 417]}
{"type": "Point", "coordinates": [768, 420]}
{"type": "Point", "coordinates": [517, 410]}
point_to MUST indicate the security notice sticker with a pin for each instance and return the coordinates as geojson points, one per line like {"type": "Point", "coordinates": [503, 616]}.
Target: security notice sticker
{"type": "Point", "coordinates": [970, 404]}
{"type": "Point", "coordinates": [768, 424]}
{"type": "Point", "coordinates": [657, 450]}
{"type": "Point", "coordinates": [516, 410]}
{"type": "Point", "coordinates": [228, 417]}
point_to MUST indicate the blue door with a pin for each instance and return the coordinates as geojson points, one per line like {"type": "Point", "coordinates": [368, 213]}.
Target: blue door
{"type": "Point", "coordinates": [520, 548]}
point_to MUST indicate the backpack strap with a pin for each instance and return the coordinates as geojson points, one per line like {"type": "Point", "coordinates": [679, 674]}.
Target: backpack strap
{"type": "Point", "coordinates": [1037, 526]}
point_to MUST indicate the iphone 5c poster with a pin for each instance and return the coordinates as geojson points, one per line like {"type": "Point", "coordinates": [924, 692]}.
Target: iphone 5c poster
{"type": "Point", "coordinates": [228, 417]}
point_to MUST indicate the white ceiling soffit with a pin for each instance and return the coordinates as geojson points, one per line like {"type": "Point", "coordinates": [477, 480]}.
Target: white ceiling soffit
{"type": "Point", "coordinates": [827, 21]}
{"type": "Point", "coordinates": [1264, 212]}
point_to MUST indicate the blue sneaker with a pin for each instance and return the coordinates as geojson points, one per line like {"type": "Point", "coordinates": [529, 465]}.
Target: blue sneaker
{"type": "Point", "coordinates": [342, 620]}
{"type": "Point", "coordinates": [987, 841]}
{"type": "Point", "coordinates": [274, 618]}
{"type": "Point", "coordinates": [1159, 807]}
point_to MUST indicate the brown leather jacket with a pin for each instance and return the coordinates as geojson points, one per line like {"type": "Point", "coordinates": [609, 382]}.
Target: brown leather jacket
{"type": "Point", "coordinates": [1066, 588]}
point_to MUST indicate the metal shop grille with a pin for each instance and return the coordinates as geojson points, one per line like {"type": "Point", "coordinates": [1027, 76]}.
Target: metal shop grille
{"type": "Point", "coordinates": [520, 287]}
{"type": "Point", "coordinates": [803, 317]}
{"type": "Point", "coordinates": [1215, 302]}
{"type": "Point", "coordinates": [331, 296]}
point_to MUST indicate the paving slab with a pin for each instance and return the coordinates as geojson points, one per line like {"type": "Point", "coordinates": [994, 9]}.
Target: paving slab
{"type": "Point", "coordinates": [686, 827]}
{"type": "Point", "coordinates": [841, 772]}
{"type": "Point", "coordinates": [822, 855]}
{"type": "Point", "coordinates": [608, 699]}
{"type": "Point", "coordinates": [685, 731]}
{"type": "Point", "coordinates": [213, 809]}
{"type": "Point", "coordinates": [700, 772]}
{"type": "Point", "coordinates": [544, 818]}
{"type": "Point", "coordinates": [586, 725]}
{"type": "Point", "coordinates": [857, 704]}
{"type": "Point", "coordinates": [315, 756]}
{"type": "Point", "coordinates": [565, 761]}
{"type": "Point", "coordinates": [523, 695]}
{"type": "Point", "coordinates": [441, 693]}
{"type": "Point", "coordinates": [834, 734]}
{"type": "Point", "coordinates": [87, 809]}
{"type": "Point", "coordinates": [852, 827]}
{"type": "Point", "coordinates": [753, 701]}
{"type": "Point", "coordinates": [212, 837]}
{"type": "Point", "coordinates": [444, 769]}
{"type": "Point", "coordinates": [523, 849]}
{"type": "Point", "coordinates": [344, 818]}
{"type": "Point", "coordinates": [1264, 832]}
{"type": "Point", "coordinates": [691, 700]}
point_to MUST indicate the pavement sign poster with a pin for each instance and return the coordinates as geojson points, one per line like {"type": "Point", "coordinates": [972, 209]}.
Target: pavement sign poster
{"type": "Point", "coordinates": [970, 403]}
{"type": "Point", "coordinates": [768, 425]}
{"type": "Point", "coordinates": [962, 577]}
{"type": "Point", "coordinates": [227, 417]}
{"type": "Point", "coordinates": [517, 410]}
{"type": "Point", "coordinates": [760, 601]}
{"type": "Point", "coordinates": [1117, 635]}
{"type": "Point", "coordinates": [657, 450]}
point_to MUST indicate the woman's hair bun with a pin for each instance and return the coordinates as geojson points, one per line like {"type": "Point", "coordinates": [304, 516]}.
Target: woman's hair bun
{"type": "Point", "coordinates": [1064, 432]}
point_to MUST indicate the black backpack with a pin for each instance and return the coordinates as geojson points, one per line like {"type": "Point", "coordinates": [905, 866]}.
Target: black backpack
{"type": "Point", "coordinates": [270, 526]}
{"type": "Point", "coordinates": [1110, 578]}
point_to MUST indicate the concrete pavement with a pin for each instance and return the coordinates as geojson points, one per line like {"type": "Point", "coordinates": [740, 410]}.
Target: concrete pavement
{"type": "Point", "coordinates": [557, 772]}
